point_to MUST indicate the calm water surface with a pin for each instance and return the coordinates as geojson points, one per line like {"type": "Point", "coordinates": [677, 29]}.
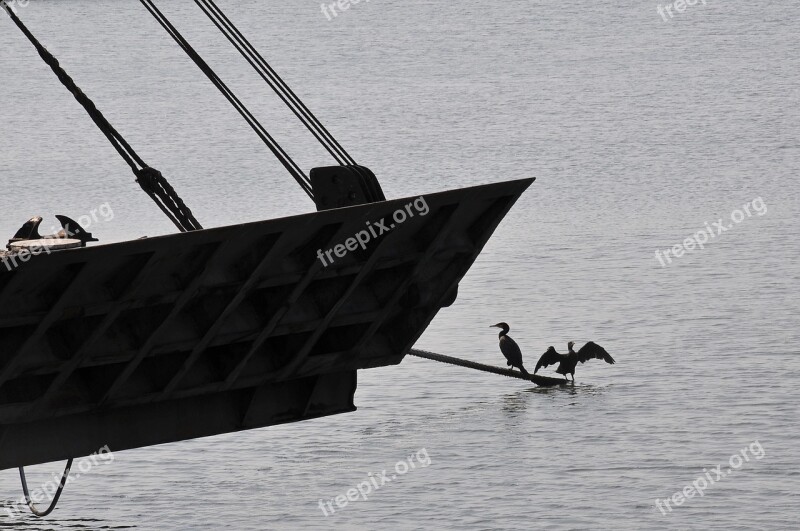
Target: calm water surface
{"type": "Point", "coordinates": [638, 130]}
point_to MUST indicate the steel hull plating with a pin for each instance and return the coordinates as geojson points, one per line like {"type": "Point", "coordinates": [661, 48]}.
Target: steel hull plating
{"type": "Point", "coordinates": [214, 331]}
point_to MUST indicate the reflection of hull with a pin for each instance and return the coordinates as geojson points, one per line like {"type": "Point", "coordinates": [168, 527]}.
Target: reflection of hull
{"type": "Point", "coordinates": [195, 334]}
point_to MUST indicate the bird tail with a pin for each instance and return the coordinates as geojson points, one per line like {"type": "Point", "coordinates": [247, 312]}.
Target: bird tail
{"type": "Point", "coordinates": [524, 371]}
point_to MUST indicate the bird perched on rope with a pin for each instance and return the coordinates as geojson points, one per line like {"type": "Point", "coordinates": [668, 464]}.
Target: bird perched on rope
{"type": "Point", "coordinates": [509, 348]}
{"type": "Point", "coordinates": [568, 362]}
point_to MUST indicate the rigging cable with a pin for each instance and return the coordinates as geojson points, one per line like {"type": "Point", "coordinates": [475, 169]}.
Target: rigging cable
{"type": "Point", "coordinates": [290, 165]}
{"type": "Point", "coordinates": [288, 96]}
{"type": "Point", "coordinates": [275, 81]}
{"type": "Point", "coordinates": [150, 179]}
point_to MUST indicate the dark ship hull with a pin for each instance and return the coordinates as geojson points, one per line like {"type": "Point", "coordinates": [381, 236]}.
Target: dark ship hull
{"type": "Point", "coordinates": [214, 331]}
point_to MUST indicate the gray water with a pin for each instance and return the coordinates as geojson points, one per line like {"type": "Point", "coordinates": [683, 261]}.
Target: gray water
{"type": "Point", "coordinates": [638, 130]}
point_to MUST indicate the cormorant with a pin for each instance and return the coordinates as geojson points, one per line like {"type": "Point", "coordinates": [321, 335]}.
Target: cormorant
{"type": "Point", "coordinates": [71, 230]}
{"type": "Point", "coordinates": [510, 349]}
{"type": "Point", "coordinates": [29, 231]}
{"type": "Point", "coordinates": [568, 362]}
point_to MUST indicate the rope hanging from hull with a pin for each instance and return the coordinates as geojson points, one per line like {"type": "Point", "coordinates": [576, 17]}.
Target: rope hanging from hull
{"type": "Point", "coordinates": [151, 180]}
{"type": "Point", "coordinates": [31, 505]}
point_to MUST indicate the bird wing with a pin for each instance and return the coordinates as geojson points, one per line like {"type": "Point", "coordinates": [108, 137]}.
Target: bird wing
{"type": "Point", "coordinates": [72, 229]}
{"type": "Point", "coordinates": [30, 230]}
{"type": "Point", "coordinates": [549, 358]}
{"type": "Point", "coordinates": [592, 350]}
{"type": "Point", "coordinates": [511, 351]}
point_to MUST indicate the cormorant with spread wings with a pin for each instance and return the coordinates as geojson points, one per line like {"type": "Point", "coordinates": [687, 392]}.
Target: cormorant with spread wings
{"type": "Point", "coordinates": [568, 362]}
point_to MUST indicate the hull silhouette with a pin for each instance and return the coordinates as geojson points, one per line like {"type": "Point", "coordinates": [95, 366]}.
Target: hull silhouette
{"type": "Point", "coordinates": [194, 334]}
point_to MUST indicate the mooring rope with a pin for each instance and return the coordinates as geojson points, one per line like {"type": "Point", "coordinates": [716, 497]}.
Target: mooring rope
{"type": "Point", "coordinates": [151, 180]}
{"type": "Point", "coordinates": [544, 381]}
{"type": "Point", "coordinates": [31, 505]}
